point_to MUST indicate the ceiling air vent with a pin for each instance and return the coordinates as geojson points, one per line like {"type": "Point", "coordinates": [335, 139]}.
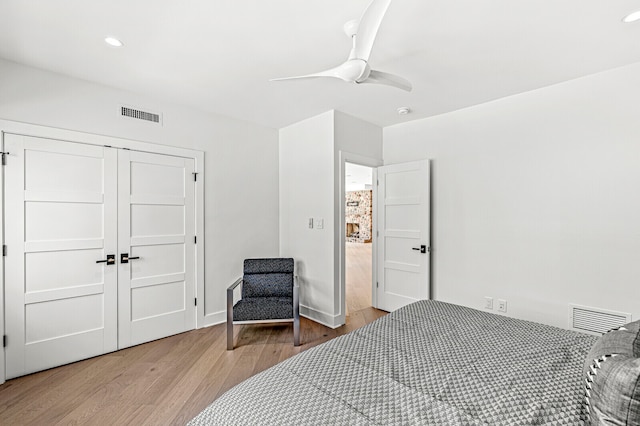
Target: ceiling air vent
{"type": "Point", "coordinates": [595, 320]}
{"type": "Point", "coordinates": [139, 114]}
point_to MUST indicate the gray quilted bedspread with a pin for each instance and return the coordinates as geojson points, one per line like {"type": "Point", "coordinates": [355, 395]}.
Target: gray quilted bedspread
{"type": "Point", "coordinates": [429, 363]}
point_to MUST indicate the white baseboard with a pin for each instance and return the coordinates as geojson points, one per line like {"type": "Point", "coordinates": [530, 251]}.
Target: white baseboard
{"type": "Point", "coordinates": [214, 318]}
{"type": "Point", "coordinates": [328, 320]}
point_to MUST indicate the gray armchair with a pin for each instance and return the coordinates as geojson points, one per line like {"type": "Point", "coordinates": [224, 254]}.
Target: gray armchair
{"type": "Point", "coordinates": [269, 294]}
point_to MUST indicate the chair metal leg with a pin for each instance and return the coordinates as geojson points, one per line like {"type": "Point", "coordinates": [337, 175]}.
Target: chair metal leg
{"type": "Point", "coordinates": [230, 319]}
{"type": "Point", "coordinates": [296, 313]}
{"type": "Point", "coordinates": [229, 335]}
{"type": "Point", "coordinates": [296, 331]}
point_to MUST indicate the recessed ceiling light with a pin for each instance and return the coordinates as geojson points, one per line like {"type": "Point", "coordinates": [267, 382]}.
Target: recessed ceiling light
{"type": "Point", "coordinates": [632, 17]}
{"type": "Point", "coordinates": [403, 110]}
{"type": "Point", "coordinates": [112, 41]}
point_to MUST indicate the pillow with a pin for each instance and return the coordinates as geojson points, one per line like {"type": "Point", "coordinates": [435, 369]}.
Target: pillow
{"type": "Point", "coordinates": [624, 340]}
{"type": "Point", "coordinates": [612, 369]}
{"type": "Point", "coordinates": [614, 394]}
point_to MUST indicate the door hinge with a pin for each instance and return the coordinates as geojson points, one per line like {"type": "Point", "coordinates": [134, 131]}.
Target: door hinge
{"type": "Point", "coordinates": [195, 239]}
{"type": "Point", "coordinates": [4, 250]}
{"type": "Point", "coordinates": [195, 302]}
{"type": "Point", "coordinates": [4, 341]}
{"type": "Point", "coordinates": [4, 158]}
{"type": "Point", "coordinates": [378, 182]}
{"type": "Point", "coordinates": [377, 233]}
{"type": "Point", "coordinates": [195, 176]}
{"type": "Point", "coordinates": [376, 284]}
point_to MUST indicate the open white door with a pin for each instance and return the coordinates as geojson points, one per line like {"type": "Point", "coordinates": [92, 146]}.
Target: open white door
{"type": "Point", "coordinates": [403, 234]}
{"type": "Point", "coordinates": [156, 285]}
{"type": "Point", "coordinates": [61, 218]}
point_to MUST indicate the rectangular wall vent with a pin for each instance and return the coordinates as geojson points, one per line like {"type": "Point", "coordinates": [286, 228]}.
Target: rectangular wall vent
{"type": "Point", "coordinates": [139, 114]}
{"type": "Point", "coordinates": [595, 320]}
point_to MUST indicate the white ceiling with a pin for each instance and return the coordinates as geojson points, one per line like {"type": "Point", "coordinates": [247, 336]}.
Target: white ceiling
{"type": "Point", "coordinates": [218, 55]}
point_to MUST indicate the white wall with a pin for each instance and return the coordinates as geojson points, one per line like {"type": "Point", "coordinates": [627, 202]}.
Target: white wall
{"type": "Point", "coordinates": [535, 197]}
{"type": "Point", "coordinates": [307, 191]}
{"type": "Point", "coordinates": [358, 142]}
{"type": "Point", "coordinates": [311, 187]}
{"type": "Point", "coordinates": [241, 160]}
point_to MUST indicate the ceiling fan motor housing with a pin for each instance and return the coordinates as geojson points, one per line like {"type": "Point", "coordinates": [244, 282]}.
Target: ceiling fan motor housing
{"type": "Point", "coordinates": [354, 70]}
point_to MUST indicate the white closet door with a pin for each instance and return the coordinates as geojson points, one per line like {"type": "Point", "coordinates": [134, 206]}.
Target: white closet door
{"type": "Point", "coordinates": [403, 242]}
{"type": "Point", "coordinates": [156, 288]}
{"type": "Point", "coordinates": [60, 219]}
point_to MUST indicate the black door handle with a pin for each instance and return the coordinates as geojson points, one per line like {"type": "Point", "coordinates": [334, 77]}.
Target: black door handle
{"type": "Point", "coordinates": [124, 257]}
{"type": "Point", "coordinates": [422, 248]}
{"type": "Point", "coordinates": [110, 260]}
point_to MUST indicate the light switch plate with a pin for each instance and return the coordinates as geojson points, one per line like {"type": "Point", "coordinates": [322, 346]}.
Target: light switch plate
{"type": "Point", "coordinates": [310, 223]}
{"type": "Point", "coordinates": [319, 223]}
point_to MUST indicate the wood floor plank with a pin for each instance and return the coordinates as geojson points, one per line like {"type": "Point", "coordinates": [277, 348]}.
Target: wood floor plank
{"type": "Point", "coordinates": [168, 381]}
{"type": "Point", "coordinates": [163, 382]}
{"type": "Point", "coordinates": [358, 271]}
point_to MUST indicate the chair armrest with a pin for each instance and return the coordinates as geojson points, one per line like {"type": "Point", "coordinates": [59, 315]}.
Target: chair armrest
{"type": "Point", "coordinates": [230, 298]}
{"type": "Point", "coordinates": [230, 313]}
{"type": "Point", "coordinates": [235, 284]}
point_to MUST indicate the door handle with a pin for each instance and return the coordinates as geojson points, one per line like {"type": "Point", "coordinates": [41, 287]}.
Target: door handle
{"type": "Point", "coordinates": [422, 248]}
{"type": "Point", "coordinates": [124, 257]}
{"type": "Point", "coordinates": [110, 260]}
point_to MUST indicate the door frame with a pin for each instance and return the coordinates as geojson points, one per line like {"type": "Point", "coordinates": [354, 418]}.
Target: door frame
{"type": "Point", "coordinates": [374, 163]}
{"type": "Point", "coordinates": [14, 127]}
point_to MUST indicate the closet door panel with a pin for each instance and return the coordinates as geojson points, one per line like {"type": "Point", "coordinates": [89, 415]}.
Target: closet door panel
{"type": "Point", "coordinates": [156, 287]}
{"type": "Point", "coordinates": [61, 217]}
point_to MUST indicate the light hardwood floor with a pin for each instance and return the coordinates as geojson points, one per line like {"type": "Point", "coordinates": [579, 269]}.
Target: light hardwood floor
{"type": "Point", "coordinates": [164, 382]}
{"type": "Point", "coordinates": [358, 276]}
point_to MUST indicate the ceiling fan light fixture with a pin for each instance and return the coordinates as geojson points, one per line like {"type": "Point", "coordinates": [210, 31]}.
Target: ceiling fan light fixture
{"type": "Point", "coordinates": [112, 41]}
{"type": "Point", "coordinates": [632, 17]}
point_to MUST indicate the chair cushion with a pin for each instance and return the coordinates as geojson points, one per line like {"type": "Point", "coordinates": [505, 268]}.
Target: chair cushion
{"type": "Point", "coordinates": [271, 277]}
{"type": "Point", "coordinates": [265, 266]}
{"type": "Point", "coordinates": [267, 285]}
{"type": "Point", "coordinates": [263, 308]}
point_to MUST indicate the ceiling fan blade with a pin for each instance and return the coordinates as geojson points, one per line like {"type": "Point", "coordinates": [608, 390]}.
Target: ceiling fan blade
{"type": "Point", "coordinates": [333, 72]}
{"type": "Point", "coordinates": [349, 71]}
{"type": "Point", "coordinates": [368, 28]}
{"type": "Point", "coordinates": [379, 77]}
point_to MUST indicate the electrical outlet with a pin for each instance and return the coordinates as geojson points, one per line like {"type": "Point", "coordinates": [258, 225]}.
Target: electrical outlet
{"type": "Point", "coordinates": [310, 223]}
{"type": "Point", "coordinates": [502, 305]}
{"type": "Point", "coordinates": [488, 302]}
{"type": "Point", "coordinates": [319, 223]}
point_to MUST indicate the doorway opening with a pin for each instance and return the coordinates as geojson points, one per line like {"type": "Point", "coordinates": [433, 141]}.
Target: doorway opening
{"type": "Point", "coordinates": [358, 236]}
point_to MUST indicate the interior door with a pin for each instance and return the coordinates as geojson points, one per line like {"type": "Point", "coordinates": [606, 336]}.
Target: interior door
{"type": "Point", "coordinates": [403, 241]}
{"type": "Point", "coordinates": [156, 285]}
{"type": "Point", "coordinates": [60, 221]}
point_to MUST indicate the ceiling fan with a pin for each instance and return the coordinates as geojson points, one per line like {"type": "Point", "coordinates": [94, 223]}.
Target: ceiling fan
{"type": "Point", "coordinates": [356, 69]}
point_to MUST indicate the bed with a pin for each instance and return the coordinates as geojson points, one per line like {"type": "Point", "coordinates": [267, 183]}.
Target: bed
{"type": "Point", "coordinates": [429, 363]}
